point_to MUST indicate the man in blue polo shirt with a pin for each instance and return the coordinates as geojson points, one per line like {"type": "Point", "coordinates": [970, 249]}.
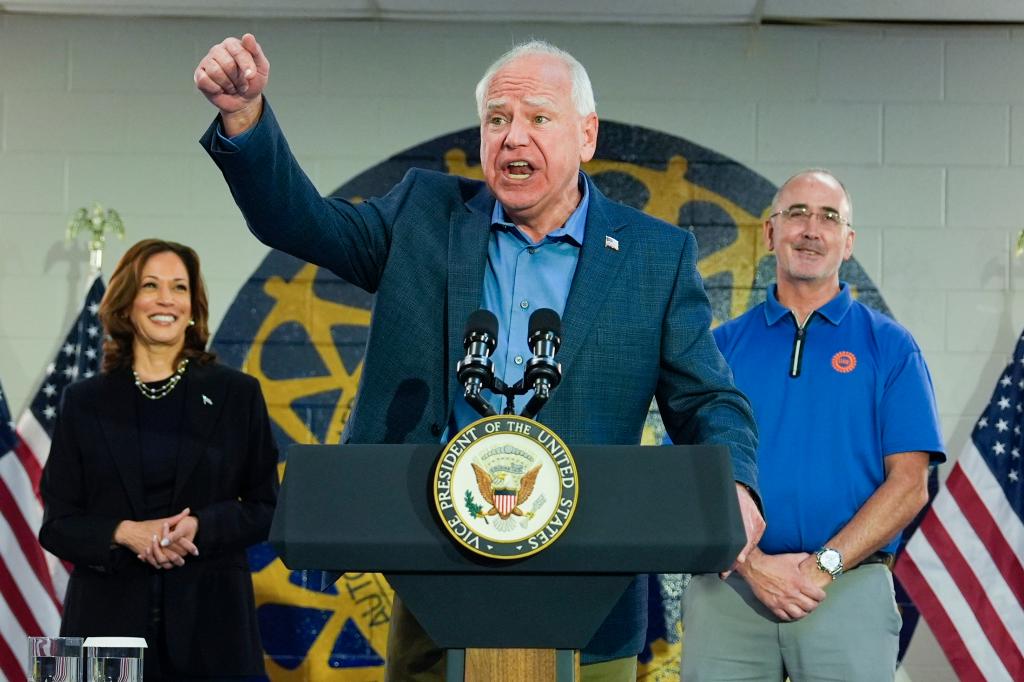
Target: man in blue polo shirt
{"type": "Point", "coordinates": [847, 420]}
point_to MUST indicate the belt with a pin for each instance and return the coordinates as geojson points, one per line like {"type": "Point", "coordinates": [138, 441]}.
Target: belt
{"type": "Point", "coordinates": [886, 558]}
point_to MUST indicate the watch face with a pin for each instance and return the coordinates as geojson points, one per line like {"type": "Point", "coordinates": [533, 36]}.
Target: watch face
{"type": "Point", "coordinates": [830, 560]}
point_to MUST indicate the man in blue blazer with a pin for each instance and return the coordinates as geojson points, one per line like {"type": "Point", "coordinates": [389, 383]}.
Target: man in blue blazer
{"type": "Point", "coordinates": [538, 233]}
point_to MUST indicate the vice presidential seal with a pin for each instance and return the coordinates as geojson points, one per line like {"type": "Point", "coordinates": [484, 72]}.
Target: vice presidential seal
{"type": "Point", "coordinates": [506, 487]}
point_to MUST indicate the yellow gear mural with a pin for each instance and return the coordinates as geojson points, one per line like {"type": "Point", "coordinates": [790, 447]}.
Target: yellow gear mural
{"type": "Point", "coordinates": [362, 597]}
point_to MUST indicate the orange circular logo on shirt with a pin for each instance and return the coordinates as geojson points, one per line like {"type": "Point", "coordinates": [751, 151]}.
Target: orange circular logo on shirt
{"type": "Point", "coordinates": [844, 361]}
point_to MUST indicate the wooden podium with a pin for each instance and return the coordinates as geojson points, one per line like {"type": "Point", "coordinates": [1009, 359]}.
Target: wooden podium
{"type": "Point", "coordinates": [669, 509]}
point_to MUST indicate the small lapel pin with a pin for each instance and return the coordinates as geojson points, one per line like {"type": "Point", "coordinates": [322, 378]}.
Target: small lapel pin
{"type": "Point", "coordinates": [611, 243]}
{"type": "Point", "coordinates": [207, 401]}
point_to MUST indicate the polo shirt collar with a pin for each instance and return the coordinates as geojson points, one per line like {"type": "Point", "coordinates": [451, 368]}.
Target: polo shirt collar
{"type": "Point", "coordinates": [834, 311]}
{"type": "Point", "coordinates": [571, 232]}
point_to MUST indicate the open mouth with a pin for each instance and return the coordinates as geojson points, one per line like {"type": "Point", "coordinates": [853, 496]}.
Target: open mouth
{"type": "Point", "coordinates": [518, 170]}
{"type": "Point", "coordinates": [163, 319]}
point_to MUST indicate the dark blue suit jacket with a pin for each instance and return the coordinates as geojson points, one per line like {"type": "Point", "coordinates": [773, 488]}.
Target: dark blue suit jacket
{"type": "Point", "coordinates": [635, 326]}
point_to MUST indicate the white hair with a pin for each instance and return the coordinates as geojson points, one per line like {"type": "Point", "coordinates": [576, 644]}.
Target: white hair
{"type": "Point", "coordinates": [582, 90]}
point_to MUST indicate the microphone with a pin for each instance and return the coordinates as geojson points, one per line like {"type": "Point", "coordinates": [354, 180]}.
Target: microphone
{"type": "Point", "coordinates": [476, 371]}
{"type": "Point", "coordinates": [542, 373]}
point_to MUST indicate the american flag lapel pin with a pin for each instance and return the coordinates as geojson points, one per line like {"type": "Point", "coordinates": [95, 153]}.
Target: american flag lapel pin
{"type": "Point", "coordinates": [611, 243]}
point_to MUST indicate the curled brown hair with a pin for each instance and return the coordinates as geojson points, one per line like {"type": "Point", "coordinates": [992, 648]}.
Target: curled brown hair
{"type": "Point", "coordinates": [124, 286]}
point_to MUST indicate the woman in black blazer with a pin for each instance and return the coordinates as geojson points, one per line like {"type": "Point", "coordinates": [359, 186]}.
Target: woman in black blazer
{"type": "Point", "coordinates": [161, 472]}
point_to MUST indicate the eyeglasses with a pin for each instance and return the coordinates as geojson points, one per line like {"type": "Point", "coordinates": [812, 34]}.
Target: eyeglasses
{"type": "Point", "coordinates": [801, 215]}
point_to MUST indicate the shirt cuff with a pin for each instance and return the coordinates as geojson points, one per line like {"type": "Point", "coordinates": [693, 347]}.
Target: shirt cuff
{"type": "Point", "coordinates": [224, 143]}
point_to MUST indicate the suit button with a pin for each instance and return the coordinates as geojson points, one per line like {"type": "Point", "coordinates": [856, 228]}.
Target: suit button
{"type": "Point", "coordinates": [435, 429]}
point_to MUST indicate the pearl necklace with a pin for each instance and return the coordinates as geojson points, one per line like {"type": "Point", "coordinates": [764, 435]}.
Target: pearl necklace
{"type": "Point", "coordinates": [161, 391]}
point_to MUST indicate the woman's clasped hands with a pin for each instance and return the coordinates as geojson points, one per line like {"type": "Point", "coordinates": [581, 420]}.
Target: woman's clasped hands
{"type": "Point", "coordinates": [161, 543]}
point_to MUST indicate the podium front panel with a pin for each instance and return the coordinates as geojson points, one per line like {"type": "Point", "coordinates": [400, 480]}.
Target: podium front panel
{"type": "Point", "coordinates": [668, 509]}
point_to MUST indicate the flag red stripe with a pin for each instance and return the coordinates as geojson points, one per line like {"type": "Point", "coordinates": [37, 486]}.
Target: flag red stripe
{"type": "Point", "coordinates": [978, 515]}
{"type": "Point", "coordinates": [973, 591]}
{"type": "Point", "coordinates": [938, 620]}
{"type": "Point", "coordinates": [16, 602]}
{"type": "Point", "coordinates": [10, 665]}
{"type": "Point", "coordinates": [30, 547]}
{"type": "Point", "coordinates": [30, 464]}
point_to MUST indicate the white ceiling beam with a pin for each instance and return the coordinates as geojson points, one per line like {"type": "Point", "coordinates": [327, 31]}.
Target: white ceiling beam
{"type": "Point", "coordinates": [590, 11]}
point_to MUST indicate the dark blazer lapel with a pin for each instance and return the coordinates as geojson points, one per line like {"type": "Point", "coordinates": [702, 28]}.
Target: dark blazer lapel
{"type": "Point", "coordinates": [598, 266]}
{"type": "Point", "coordinates": [205, 398]}
{"type": "Point", "coordinates": [467, 258]}
{"type": "Point", "coordinates": [119, 422]}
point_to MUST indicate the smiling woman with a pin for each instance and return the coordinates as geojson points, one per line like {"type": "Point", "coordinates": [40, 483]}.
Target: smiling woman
{"type": "Point", "coordinates": [162, 308]}
{"type": "Point", "coordinates": [154, 491]}
{"type": "Point", "coordinates": [155, 312]}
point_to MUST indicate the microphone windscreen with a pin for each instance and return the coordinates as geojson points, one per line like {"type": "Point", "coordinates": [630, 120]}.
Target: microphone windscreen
{"type": "Point", "coordinates": [481, 321]}
{"type": "Point", "coordinates": [545, 320]}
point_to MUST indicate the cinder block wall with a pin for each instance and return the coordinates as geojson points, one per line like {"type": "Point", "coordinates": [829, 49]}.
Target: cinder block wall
{"type": "Point", "coordinates": [925, 125]}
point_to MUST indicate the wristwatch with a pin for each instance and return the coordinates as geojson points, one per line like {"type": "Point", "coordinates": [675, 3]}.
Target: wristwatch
{"type": "Point", "coordinates": [830, 560]}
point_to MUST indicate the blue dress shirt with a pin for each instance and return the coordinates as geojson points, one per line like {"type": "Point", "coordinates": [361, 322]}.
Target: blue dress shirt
{"type": "Point", "coordinates": [522, 276]}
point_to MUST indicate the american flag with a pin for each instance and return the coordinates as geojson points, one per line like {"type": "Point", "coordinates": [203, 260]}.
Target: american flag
{"type": "Point", "coordinates": [964, 567]}
{"type": "Point", "coordinates": [32, 581]}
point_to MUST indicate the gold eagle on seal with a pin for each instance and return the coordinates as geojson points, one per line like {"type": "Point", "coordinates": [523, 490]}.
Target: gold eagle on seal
{"type": "Point", "coordinates": [504, 485]}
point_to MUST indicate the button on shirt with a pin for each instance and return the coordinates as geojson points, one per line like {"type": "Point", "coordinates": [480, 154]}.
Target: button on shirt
{"type": "Point", "coordinates": [522, 276]}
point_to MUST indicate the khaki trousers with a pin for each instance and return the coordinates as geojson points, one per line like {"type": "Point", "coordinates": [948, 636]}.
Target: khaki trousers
{"type": "Point", "coordinates": [853, 636]}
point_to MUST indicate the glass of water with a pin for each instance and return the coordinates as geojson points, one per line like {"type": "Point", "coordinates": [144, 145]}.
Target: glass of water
{"type": "Point", "coordinates": [114, 659]}
{"type": "Point", "coordinates": [54, 659]}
